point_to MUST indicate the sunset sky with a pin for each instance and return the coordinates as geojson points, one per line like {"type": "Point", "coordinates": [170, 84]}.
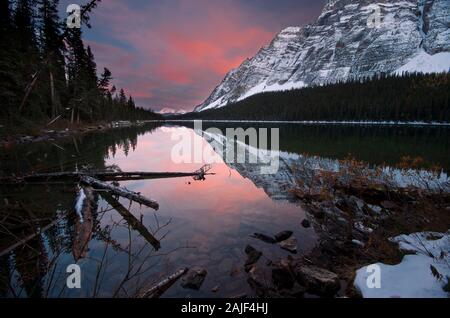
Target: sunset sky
{"type": "Point", "coordinates": [172, 53]}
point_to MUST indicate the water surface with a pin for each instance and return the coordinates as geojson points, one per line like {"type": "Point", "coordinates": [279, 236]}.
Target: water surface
{"type": "Point", "coordinates": [200, 223]}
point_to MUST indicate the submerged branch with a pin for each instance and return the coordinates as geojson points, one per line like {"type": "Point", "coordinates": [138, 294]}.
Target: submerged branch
{"type": "Point", "coordinates": [157, 290]}
{"type": "Point", "coordinates": [97, 184]}
{"type": "Point", "coordinates": [132, 220]}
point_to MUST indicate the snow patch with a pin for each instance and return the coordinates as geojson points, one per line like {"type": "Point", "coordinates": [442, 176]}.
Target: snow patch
{"type": "Point", "coordinates": [260, 88]}
{"type": "Point", "coordinates": [426, 63]}
{"type": "Point", "coordinates": [361, 227]}
{"type": "Point", "coordinates": [413, 277]}
{"type": "Point", "coordinates": [216, 104]}
{"type": "Point", "coordinates": [289, 32]}
{"type": "Point", "coordinates": [263, 88]}
{"type": "Point", "coordinates": [79, 203]}
{"type": "Point", "coordinates": [168, 110]}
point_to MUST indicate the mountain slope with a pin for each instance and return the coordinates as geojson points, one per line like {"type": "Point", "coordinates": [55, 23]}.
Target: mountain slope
{"type": "Point", "coordinates": [413, 35]}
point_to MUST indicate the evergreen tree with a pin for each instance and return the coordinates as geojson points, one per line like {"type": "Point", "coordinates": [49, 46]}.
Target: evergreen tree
{"type": "Point", "coordinates": [9, 85]}
{"type": "Point", "coordinates": [77, 66]}
{"type": "Point", "coordinates": [122, 97]}
{"type": "Point", "coordinates": [105, 80]}
{"type": "Point", "coordinates": [27, 56]}
{"type": "Point", "coordinates": [5, 16]}
{"type": "Point", "coordinates": [46, 69]}
{"type": "Point", "coordinates": [53, 54]}
{"type": "Point", "coordinates": [130, 103]}
{"type": "Point", "coordinates": [91, 68]}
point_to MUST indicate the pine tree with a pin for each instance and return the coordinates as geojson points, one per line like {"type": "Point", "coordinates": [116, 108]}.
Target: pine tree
{"type": "Point", "coordinates": [24, 21]}
{"type": "Point", "coordinates": [122, 97]}
{"type": "Point", "coordinates": [76, 63]}
{"type": "Point", "coordinates": [91, 68]}
{"type": "Point", "coordinates": [50, 30]}
{"type": "Point", "coordinates": [8, 78]}
{"type": "Point", "coordinates": [5, 16]}
{"type": "Point", "coordinates": [105, 80]}
{"type": "Point", "coordinates": [130, 103]}
{"type": "Point", "coordinates": [94, 94]}
{"type": "Point", "coordinates": [82, 78]}
{"type": "Point", "coordinates": [27, 56]}
{"type": "Point", "coordinates": [45, 68]}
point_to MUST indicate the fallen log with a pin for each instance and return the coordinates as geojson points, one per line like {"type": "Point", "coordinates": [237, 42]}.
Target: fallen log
{"type": "Point", "coordinates": [132, 220]}
{"type": "Point", "coordinates": [103, 176]}
{"type": "Point", "coordinates": [159, 289]}
{"type": "Point", "coordinates": [27, 239]}
{"type": "Point", "coordinates": [97, 184]}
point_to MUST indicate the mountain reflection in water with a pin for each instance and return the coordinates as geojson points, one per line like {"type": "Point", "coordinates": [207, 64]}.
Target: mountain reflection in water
{"type": "Point", "coordinates": [200, 223]}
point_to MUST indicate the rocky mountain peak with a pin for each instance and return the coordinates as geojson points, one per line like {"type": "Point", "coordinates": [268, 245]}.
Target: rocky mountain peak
{"type": "Point", "coordinates": [350, 39]}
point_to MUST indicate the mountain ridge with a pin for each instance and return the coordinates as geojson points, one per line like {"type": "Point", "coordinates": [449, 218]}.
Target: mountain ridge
{"type": "Point", "coordinates": [348, 40]}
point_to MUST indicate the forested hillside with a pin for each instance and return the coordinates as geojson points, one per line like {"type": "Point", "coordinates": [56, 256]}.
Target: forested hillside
{"type": "Point", "coordinates": [411, 97]}
{"type": "Point", "coordinates": [47, 72]}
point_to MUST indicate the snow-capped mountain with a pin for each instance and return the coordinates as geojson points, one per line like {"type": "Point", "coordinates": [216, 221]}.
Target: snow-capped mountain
{"type": "Point", "coordinates": [350, 39]}
{"type": "Point", "coordinates": [167, 111]}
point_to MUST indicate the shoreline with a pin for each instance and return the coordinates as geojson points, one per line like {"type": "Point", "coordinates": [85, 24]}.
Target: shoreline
{"type": "Point", "coordinates": [360, 222]}
{"type": "Point", "coordinates": [318, 122]}
{"type": "Point", "coordinates": [53, 134]}
{"type": "Point", "coordinates": [48, 134]}
{"type": "Point", "coordinates": [362, 219]}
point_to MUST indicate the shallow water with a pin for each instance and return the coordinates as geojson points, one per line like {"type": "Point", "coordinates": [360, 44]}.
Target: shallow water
{"type": "Point", "coordinates": [200, 223]}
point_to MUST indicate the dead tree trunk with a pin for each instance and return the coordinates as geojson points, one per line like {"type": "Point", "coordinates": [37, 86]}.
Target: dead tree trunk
{"type": "Point", "coordinates": [103, 176]}
{"type": "Point", "coordinates": [52, 95]}
{"type": "Point", "coordinates": [157, 290]}
{"type": "Point", "coordinates": [54, 120]}
{"type": "Point", "coordinates": [131, 220]}
{"type": "Point", "coordinates": [28, 90]}
{"type": "Point", "coordinates": [97, 184]}
{"type": "Point", "coordinates": [72, 115]}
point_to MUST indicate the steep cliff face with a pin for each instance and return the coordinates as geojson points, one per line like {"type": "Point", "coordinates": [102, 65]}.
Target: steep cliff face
{"type": "Point", "coordinates": [350, 39]}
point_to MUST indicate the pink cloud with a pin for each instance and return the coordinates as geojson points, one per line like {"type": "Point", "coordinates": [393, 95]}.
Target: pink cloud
{"type": "Point", "coordinates": [173, 55]}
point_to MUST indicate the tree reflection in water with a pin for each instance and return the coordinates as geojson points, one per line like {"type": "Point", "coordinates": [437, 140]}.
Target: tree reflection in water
{"type": "Point", "coordinates": [41, 233]}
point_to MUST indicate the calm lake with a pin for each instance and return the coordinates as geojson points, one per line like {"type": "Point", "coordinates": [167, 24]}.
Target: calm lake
{"type": "Point", "coordinates": [199, 223]}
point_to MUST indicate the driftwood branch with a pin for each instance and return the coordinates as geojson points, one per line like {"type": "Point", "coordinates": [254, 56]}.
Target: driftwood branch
{"type": "Point", "coordinates": [157, 290]}
{"type": "Point", "coordinates": [29, 89]}
{"type": "Point", "coordinates": [54, 120]}
{"type": "Point", "coordinates": [97, 184]}
{"type": "Point", "coordinates": [131, 220]}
